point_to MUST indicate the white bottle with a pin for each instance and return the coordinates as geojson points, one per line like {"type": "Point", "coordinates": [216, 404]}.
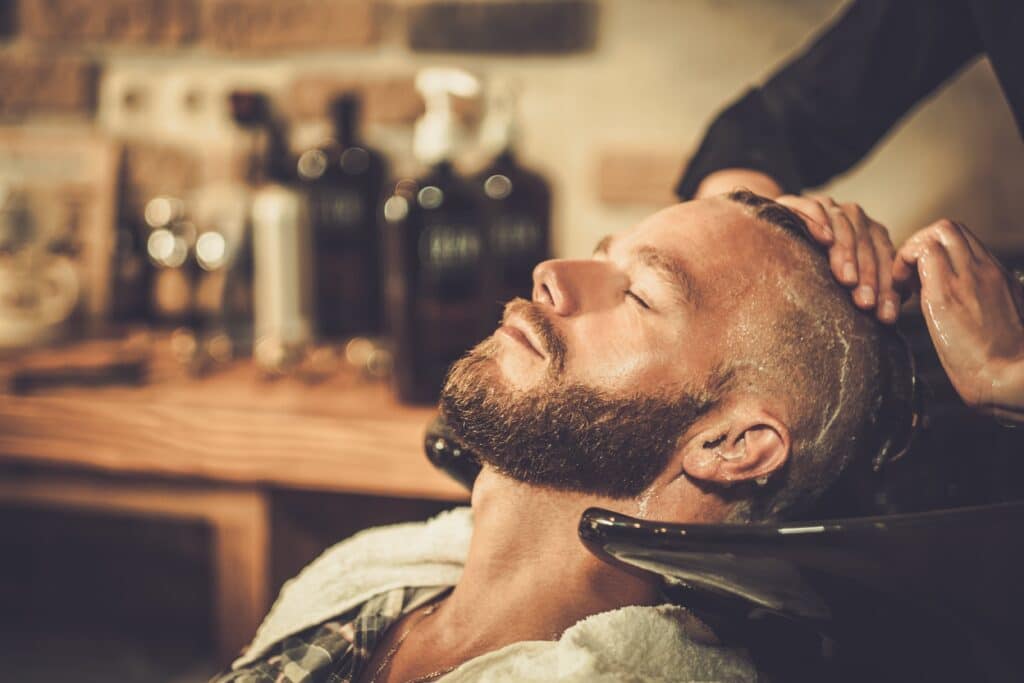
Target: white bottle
{"type": "Point", "coordinates": [437, 134]}
{"type": "Point", "coordinates": [282, 254]}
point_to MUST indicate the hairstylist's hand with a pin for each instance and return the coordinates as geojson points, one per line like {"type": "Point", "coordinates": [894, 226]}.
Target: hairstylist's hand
{"type": "Point", "coordinates": [860, 251]}
{"type": "Point", "coordinates": [974, 311]}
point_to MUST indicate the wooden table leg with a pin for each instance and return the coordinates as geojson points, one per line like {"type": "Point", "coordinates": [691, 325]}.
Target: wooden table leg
{"type": "Point", "coordinates": [241, 555]}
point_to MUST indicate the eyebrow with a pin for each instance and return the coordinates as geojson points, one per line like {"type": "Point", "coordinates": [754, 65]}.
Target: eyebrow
{"type": "Point", "coordinates": [670, 270]}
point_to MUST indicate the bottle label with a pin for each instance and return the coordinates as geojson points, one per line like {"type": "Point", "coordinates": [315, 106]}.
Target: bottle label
{"type": "Point", "coordinates": [449, 250]}
{"type": "Point", "coordinates": [515, 236]}
{"type": "Point", "coordinates": [340, 212]}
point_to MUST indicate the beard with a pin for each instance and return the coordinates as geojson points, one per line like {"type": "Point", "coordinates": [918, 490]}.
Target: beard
{"type": "Point", "coordinates": [564, 437]}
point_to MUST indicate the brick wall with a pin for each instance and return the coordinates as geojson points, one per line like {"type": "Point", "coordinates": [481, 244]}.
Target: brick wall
{"type": "Point", "coordinates": [615, 93]}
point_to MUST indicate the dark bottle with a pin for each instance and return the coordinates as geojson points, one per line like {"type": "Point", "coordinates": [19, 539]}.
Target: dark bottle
{"type": "Point", "coordinates": [131, 270]}
{"type": "Point", "coordinates": [517, 201]}
{"type": "Point", "coordinates": [437, 251]}
{"type": "Point", "coordinates": [345, 185]}
{"type": "Point", "coordinates": [131, 273]}
{"type": "Point", "coordinates": [169, 246]}
{"type": "Point", "coordinates": [518, 205]}
{"type": "Point", "coordinates": [438, 259]}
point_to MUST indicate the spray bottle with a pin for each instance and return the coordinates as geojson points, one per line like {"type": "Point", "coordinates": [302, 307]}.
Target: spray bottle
{"type": "Point", "coordinates": [517, 200]}
{"type": "Point", "coordinates": [437, 249]}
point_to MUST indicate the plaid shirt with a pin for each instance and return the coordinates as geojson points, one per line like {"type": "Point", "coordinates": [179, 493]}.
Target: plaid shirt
{"type": "Point", "coordinates": [335, 651]}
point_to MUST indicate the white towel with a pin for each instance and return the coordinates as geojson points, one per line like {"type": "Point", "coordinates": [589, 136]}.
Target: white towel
{"type": "Point", "coordinates": [624, 645]}
{"type": "Point", "coordinates": [348, 574]}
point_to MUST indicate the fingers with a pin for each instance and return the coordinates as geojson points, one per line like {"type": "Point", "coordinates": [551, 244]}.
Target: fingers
{"type": "Point", "coordinates": [814, 214]}
{"type": "Point", "coordinates": [960, 247]}
{"type": "Point", "coordinates": [861, 254]}
{"type": "Point", "coordinates": [888, 297]}
{"type": "Point", "coordinates": [927, 255]}
{"type": "Point", "coordinates": [843, 254]}
{"type": "Point", "coordinates": [987, 268]}
{"type": "Point", "coordinates": [979, 250]}
{"type": "Point", "coordinates": [869, 259]}
{"type": "Point", "coordinates": [968, 303]}
{"type": "Point", "coordinates": [951, 236]}
{"type": "Point", "coordinates": [1017, 292]}
{"type": "Point", "coordinates": [935, 268]}
{"type": "Point", "coordinates": [867, 271]}
{"type": "Point", "coordinates": [904, 266]}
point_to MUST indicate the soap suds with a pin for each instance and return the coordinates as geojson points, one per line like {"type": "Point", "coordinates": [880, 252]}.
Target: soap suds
{"type": "Point", "coordinates": [840, 401]}
{"type": "Point", "coordinates": [643, 503]}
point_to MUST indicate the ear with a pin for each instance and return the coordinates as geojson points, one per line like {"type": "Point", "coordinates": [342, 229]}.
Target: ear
{"type": "Point", "coordinates": [744, 442]}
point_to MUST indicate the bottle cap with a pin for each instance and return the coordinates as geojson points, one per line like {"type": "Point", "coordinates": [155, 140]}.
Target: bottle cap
{"type": "Point", "coordinates": [436, 131]}
{"type": "Point", "coordinates": [498, 131]}
{"type": "Point", "coordinates": [248, 108]}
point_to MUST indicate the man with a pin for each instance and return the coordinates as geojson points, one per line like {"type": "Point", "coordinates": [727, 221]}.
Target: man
{"type": "Point", "coordinates": [703, 366]}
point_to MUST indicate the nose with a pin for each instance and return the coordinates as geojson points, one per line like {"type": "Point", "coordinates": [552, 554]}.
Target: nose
{"type": "Point", "coordinates": [568, 285]}
{"type": "Point", "coordinates": [550, 287]}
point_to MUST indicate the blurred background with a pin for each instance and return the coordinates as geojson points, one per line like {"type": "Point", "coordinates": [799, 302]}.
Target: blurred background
{"type": "Point", "coordinates": [241, 240]}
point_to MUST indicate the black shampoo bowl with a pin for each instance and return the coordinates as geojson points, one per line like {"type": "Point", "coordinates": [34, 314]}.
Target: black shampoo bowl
{"type": "Point", "coordinates": [933, 596]}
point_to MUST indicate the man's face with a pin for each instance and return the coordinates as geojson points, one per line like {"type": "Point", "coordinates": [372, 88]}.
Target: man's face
{"type": "Point", "coordinates": [590, 386]}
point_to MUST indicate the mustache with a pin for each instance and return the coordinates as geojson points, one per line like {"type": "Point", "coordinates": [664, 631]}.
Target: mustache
{"type": "Point", "coordinates": [552, 341]}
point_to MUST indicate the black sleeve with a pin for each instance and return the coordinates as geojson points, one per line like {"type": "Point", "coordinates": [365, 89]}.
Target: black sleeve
{"type": "Point", "coordinates": [824, 110]}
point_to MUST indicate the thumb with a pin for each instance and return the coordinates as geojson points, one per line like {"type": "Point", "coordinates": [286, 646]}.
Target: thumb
{"type": "Point", "coordinates": [904, 269]}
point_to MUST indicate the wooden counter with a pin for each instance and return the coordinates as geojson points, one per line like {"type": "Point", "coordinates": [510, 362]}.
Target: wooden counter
{"type": "Point", "coordinates": [346, 434]}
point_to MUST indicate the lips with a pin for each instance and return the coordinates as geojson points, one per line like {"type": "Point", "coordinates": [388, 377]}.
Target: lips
{"type": "Point", "coordinates": [522, 333]}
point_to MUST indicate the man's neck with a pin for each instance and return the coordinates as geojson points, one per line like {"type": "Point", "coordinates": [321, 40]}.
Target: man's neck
{"type": "Point", "coordinates": [527, 575]}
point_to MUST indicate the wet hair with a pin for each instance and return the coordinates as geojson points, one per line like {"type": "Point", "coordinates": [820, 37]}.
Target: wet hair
{"type": "Point", "coordinates": [829, 360]}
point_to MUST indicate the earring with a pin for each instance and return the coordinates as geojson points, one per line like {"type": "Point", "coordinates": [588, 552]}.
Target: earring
{"type": "Point", "coordinates": [762, 480]}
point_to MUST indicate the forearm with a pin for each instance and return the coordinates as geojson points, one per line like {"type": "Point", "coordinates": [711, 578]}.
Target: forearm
{"type": "Point", "coordinates": [825, 109]}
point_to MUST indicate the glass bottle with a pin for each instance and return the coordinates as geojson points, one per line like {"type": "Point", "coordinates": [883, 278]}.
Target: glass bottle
{"type": "Point", "coordinates": [438, 261]}
{"type": "Point", "coordinates": [516, 199]}
{"type": "Point", "coordinates": [345, 179]}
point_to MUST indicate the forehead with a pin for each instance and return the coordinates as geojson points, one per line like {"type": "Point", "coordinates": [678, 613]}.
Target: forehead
{"type": "Point", "coordinates": [696, 221]}
{"type": "Point", "coordinates": [714, 238]}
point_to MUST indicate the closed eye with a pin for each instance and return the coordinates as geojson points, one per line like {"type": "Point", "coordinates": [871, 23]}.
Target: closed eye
{"type": "Point", "coordinates": [640, 301]}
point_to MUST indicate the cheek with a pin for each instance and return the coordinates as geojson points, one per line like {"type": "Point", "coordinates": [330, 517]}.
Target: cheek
{"type": "Point", "coordinates": [620, 354]}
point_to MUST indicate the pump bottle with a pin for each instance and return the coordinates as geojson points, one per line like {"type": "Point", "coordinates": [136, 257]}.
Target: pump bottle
{"type": "Point", "coordinates": [517, 201]}
{"type": "Point", "coordinates": [437, 250]}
